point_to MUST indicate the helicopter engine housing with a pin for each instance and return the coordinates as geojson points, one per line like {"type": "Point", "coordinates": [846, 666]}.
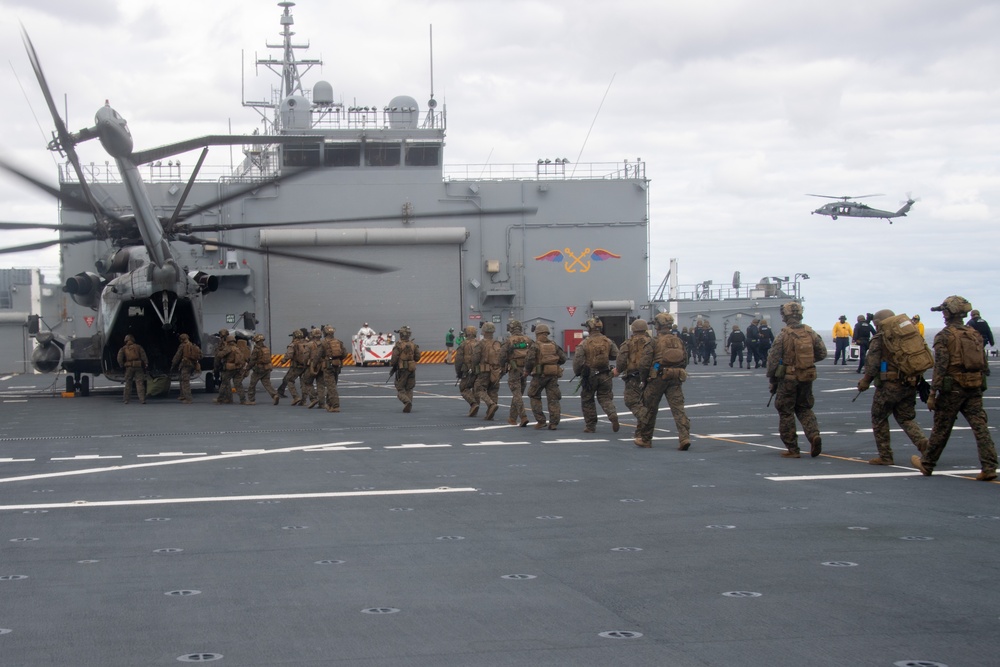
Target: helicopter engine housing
{"type": "Point", "coordinates": [85, 289]}
{"type": "Point", "coordinates": [47, 355]}
{"type": "Point", "coordinates": [207, 282]}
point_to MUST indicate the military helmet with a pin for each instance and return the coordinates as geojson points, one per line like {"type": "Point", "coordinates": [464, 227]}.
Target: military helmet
{"type": "Point", "coordinates": [404, 332]}
{"type": "Point", "coordinates": [315, 333]}
{"type": "Point", "coordinates": [489, 327]}
{"type": "Point", "coordinates": [129, 338]}
{"type": "Point", "coordinates": [470, 331]}
{"type": "Point", "coordinates": [594, 324]}
{"type": "Point", "coordinates": [451, 330]}
{"type": "Point", "coordinates": [956, 305]}
{"type": "Point", "coordinates": [542, 329]}
{"type": "Point", "coordinates": [298, 333]}
{"type": "Point", "coordinates": [514, 326]}
{"type": "Point", "coordinates": [882, 315]}
{"type": "Point", "coordinates": [223, 333]}
{"type": "Point", "coordinates": [328, 330]}
{"type": "Point", "coordinates": [663, 320]}
{"type": "Point", "coordinates": [185, 338]}
{"type": "Point", "coordinates": [640, 325]}
{"type": "Point", "coordinates": [793, 309]}
{"type": "Point", "coordinates": [258, 338]}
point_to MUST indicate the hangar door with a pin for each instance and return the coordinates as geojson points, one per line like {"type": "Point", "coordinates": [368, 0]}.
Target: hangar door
{"type": "Point", "coordinates": [423, 292]}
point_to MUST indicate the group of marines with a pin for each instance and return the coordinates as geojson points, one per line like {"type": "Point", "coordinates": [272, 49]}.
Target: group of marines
{"type": "Point", "coordinates": [650, 367]}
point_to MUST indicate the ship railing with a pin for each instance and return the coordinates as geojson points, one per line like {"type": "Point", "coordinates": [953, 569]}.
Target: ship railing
{"type": "Point", "coordinates": [702, 292]}
{"type": "Point", "coordinates": [557, 169]}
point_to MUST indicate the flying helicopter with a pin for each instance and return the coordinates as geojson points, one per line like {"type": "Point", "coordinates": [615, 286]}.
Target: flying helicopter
{"type": "Point", "coordinates": [852, 209]}
{"type": "Point", "coordinates": [140, 287]}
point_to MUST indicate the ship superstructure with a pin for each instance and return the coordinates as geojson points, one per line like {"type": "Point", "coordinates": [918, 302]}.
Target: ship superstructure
{"type": "Point", "coordinates": [584, 252]}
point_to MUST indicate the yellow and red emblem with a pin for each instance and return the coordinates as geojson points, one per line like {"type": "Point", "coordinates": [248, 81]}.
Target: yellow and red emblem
{"type": "Point", "coordinates": [577, 263]}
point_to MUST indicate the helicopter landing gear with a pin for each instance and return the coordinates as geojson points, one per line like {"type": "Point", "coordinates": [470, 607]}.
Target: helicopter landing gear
{"type": "Point", "coordinates": [209, 383]}
{"type": "Point", "coordinates": [78, 384]}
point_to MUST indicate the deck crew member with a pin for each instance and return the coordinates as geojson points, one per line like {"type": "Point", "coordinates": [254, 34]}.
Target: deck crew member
{"type": "Point", "coordinates": [841, 339]}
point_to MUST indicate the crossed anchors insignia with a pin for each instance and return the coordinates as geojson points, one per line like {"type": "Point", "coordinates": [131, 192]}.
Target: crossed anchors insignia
{"type": "Point", "coordinates": [577, 263]}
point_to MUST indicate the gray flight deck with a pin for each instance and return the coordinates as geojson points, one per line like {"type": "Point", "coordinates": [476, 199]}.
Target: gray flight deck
{"type": "Point", "coordinates": [164, 534]}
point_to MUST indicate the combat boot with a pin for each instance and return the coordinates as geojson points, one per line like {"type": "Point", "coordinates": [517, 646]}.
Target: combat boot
{"type": "Point", "coordinates": [919, 465]}
{"type": "Point", "coordinates": [524, 422]}
{"type": "Point", "coordinates": [329, 409]}
{"type": "Point", "coordinates": [879, 461]}
{"type": "Point", "coordinates": [645, 444]}
{"type": "Point", "coordinates": [614, 423]}
{"type": "Point", "coordinates": [539, 425]}
{"type": "Point", "coordinates": [817, 446]}
{"type": "Point", "coordinates": [987, 476]}
{"type": "Point", "coordinates": [492, 410]}
{"type": "Point", "coordinates": [684, 446]}
{"type": "Point", "coordinates": [313, 404]}
{"type": "Point", "coordinates": [589, 429]}
{"type": "Point", "coordinates": [792, 453]}
{"type": "Point", "coordinates": [250, 403]}
{"type": "Point", "coordinates": [407, 407]}
{"type": "Point", "coordinates": [277, 397]}
{"type": "Point", "coordinates": [474, 410]}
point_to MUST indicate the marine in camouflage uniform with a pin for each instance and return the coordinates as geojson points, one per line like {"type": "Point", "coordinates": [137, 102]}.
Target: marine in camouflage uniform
{"type": "Point", "coordinates": [133, 359]}
{"type": "Point", "coordinates": [244, 351]}
{"type": "Point", "coordinates": [629, 355]}
{"type": "Point", "coordinates": [956, 388]}
{"type": "Point", "coordinates": [791, 386]}
{"type": "Point", "coordinates": [229, 364]}
{"type": "Point", "coordinates": [297, 355]}
{"type": "Point", "coordinates": [662, 379]}
{"type": "Point", "coordinates": [334, 353]}
{"type": "Point", "coordinates": [894, 395]}
{"type": "Point", "coordinates": [260, 371]}
{"type": "Point", "coordinates": [544, 362]}
{"type": "Point", "coordinates": [598, 381]}
{"type": "Point", "coordinates": [186, 359]}
{"type": "Point", "coordinates": [465, 369]}
{"type": "Point", "coordinates": [310, 394]}
{"type": "Point", "coordinates": [513, 355]}
{"type": "Point", "coordinates": [486, 359]}
{"type": "Point", "coordinates": [405, 355]}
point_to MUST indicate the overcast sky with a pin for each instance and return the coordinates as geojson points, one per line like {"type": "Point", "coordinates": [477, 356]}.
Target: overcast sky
{"type": "Point", "coordinates": [738, 108]}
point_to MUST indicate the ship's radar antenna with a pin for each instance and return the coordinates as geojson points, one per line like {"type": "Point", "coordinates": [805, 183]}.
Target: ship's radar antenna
{"type": "Point", "coordinates": [431, 102]}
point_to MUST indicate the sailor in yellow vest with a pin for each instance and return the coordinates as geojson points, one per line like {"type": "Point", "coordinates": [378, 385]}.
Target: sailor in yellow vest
{"type": "Point", "coordinates": [486, 359]}
{"type": "Point", "coordinates": [895, 394]}
{"type": "Point", "coordinates": [791, 369]}
{"type": "Point", "coordinates": [545, 360]}
{"type": "Point", "coordinates": [513, 354]}
{"type": "Point", "coordinates": [405, 355]}
{"type": "Point", "coordinates": [465, 369]}
{"type": "Point", "coordinates": [592, 362]}
{"type": "Point", "coordinates": [842, 333]}
{"type": "Point", "coordinates": [960, 370]}
{"type": "Point", "coordinates": [186, 360]}
{"type": "Point", "coordinates": [662, 371]}
{"type": "Point", "coordinates": [133, 359]}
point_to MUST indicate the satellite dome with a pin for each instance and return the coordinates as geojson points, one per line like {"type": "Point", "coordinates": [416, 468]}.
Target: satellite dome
{"type": "Point", "coordinates": [323, 94]}
{"type": "Point", "coordinates": [403, 113]}
{"type": "Point", "coordinates": [295, 113]}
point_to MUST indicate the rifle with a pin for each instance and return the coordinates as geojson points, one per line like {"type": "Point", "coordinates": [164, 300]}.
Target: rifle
{"type": "Point", "coordinates": [773, 392]}
{"type": "Point", "coordinates": [856, 396]}
{"type": "Point", "coordinates": [393, 370]}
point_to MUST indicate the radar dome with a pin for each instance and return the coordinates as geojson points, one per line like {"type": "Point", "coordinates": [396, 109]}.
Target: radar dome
{"type": "Point", "coordinates": [323, 94]}
{"type": "Point", "coordinates": [403, 113]}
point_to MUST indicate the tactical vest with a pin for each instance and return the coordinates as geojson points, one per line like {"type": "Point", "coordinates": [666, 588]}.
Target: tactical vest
{"type": "Point", "coordinates": [668, 351]}
{"type": "Point", "coordinates": [798, 354]}
{"type": "Point", "coordinates": [597, 351]}
{"type": "Point", "coordinates": [191, 352]}
{"type": "Point", "coordinates": [905, 349]}
{"type": "Point", "coordinates": [633, 350]}
{"type": "Point", "coordinates": [262, 357]}
{"type": "Point", "coordinates": [518, 346]}
{"type": "Point", "coordinates": [489, 356]}
{"type": "Point", "coordinates": [966, 359]}
{"type": "Point", "coordinates": [133, 357]}
{"type": "Point", "coordinates": [467, 348]}
{"type": "Point", "coordinates": [548, 359]}
{"type": "Point", "coordinates": [334, 350]}
{"type": "Point", "coordinates": [300, 353]}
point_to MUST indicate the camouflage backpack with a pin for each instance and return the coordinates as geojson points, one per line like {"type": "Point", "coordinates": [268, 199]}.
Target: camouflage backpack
{"type": "Point", "coordinates": [518, 349]}
{"type": "Point", "coordinates": [906, 348]}
{"type": "Point", "coordinates": [192, 353]}
{"type": "Point", "coordinates": [798, 355]}
{"type": "Point", "coordinates": [598, 352]}
{"type": "Point", "coordinates": [966, 356]}
{"type": "Point", "coordinates": [668, 351]}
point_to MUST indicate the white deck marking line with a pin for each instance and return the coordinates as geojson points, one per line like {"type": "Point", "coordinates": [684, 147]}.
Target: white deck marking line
{"type": "Point", "coordinates": [832, 391]}
{"type": "Point", "coordinates": [338, 448]}
{"type": "Point", "coordinates": [571, 441]}
{"type": "Point", "coordinates": [16, 460]}
{"type": "Point", "coordinates": [197, 459]}
{"type": "Point", "coordinates": [153, 456]}
{"type": "Point", "coordinates": [223, 499]}
{"type": "Point", "coordinates": [417, 445]}
{"type": "Point", "coordinates": [11, 400]}
{"type": "Point", "coordinates": [492, 443]}
{"type": "Point", "coordinates": [902, 473]}
{"type": "Point", "coordinates": [83, 457]}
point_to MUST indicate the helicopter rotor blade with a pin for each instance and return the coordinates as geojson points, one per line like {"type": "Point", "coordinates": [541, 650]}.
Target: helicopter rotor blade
{"type": "Point", "coordinates": [236, 194]}
{"type": "Point", "coordinates": [187, 190]}
{"type": "Point", "coordinates": [66, 142]}
{"type": "Point", "coordinates": [348, 264]}
{"type": "Point", "coordinates": [67, 201]}
{"type": "Point", "coordinates": [46, 225]}
{"type": "Point", "coordinates": [371, 218]}
{"type": "Point", "coordinates": [38, 245]}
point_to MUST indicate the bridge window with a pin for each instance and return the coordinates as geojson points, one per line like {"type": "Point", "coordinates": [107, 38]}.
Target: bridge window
{"type": "Point", "coordinates": [382, 155]}
{"type": "Point", "coordinates": [301, 155]}
{"type": "Point", "coordinates": [342, 155]}
{"type": "Point", "coordinates": [423, 155]}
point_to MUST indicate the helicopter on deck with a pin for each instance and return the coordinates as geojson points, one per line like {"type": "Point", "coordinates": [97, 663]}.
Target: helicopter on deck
{"type": "Point", "coordinates": [853, 209]}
